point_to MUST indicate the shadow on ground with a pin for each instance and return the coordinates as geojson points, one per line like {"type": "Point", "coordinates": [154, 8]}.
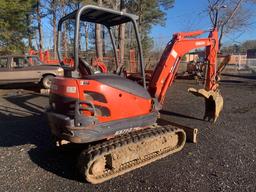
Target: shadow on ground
{"type": "Point", "coordinates": [170, 113]}
{"type": "Point", "coordinates": [23, 124]}
{"type": "Point", "coordinates": [243, 76]}
{"type": "Point", "coordinates": [22, 86]}
{"type": "Point", "coordinates": [231, 81]}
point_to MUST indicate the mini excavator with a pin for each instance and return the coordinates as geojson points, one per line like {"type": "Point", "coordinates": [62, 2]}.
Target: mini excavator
{"type": "Point", "coordinates": [116, 116]}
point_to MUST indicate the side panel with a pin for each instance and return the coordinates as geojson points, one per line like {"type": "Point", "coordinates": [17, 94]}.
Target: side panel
{"type": "Point", "coordinates": [108, 103]}
{"type": "Point", "coordinates": [115, 104]}
{"type": "Point", "coordinates": [66, 87]}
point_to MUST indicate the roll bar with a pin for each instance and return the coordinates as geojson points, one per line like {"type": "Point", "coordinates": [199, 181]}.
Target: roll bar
{"type": "Point", "coordinates": [104, 16]}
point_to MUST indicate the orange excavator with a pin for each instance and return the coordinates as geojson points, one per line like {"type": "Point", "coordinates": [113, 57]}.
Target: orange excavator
{"type": "Point", "coordinates": [116, 116]}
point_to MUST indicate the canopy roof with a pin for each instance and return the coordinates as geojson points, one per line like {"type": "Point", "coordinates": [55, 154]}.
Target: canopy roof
{"type": "Point", "coordinates": [107, 17]}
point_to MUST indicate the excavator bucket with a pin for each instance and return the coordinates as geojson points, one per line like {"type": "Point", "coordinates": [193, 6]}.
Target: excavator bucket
{"type": "Point", "coordinates": [213, 102]}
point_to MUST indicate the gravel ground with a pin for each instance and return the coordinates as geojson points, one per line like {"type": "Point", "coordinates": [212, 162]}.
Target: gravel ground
{"type": "Point", "coordinates": [222, 160]}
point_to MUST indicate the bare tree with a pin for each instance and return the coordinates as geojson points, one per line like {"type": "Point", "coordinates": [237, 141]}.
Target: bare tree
{"type": "Point", "coordinates": [39, 24]}
{"type": "Point", "coordinates": [233, 18]}
{"type": "Point", "coordinates": [64, 36]}
{"type": "Point", "coordinates": [120, 31]}
{"type": "Point", "coordinates": [122, 36]}
{"type": "Point", "coordinates": [29, 30]}
{"type": "Point", "coordinates": [53, 6]}
{"type": "Point", "coordinates": [98, 33]}
{"type": "Point", "coordinates": [86, 30]}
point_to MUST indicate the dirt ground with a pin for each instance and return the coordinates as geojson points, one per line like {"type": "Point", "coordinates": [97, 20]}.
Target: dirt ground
{"type": "Point", "coordinates": [224, 159]}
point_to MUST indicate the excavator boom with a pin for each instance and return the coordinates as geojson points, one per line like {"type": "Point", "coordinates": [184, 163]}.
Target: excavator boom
{"type": "Point", "coordinates": [165, 71]}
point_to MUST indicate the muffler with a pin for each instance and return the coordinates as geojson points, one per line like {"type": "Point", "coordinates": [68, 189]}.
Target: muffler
{"type": "Point", "coordinates": [213, 102]}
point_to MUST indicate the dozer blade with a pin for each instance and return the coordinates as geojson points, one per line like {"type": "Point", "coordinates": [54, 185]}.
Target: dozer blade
{"type": "Point", "coordinates": [213, 102]}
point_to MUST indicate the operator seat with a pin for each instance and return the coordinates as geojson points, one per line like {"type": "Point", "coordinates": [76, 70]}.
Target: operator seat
{"type": "Point", "coordinates": [121, 83]}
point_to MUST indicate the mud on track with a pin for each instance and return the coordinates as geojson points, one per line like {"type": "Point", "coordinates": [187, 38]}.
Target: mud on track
{"type": "Point", "coordinates": [223, 160]}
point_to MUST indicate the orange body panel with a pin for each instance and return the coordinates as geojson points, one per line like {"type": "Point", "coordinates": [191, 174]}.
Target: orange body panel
{"type": "Point", "coordinates": [120, 104]}
{"type": "Point", "coordinates": [60, 85]}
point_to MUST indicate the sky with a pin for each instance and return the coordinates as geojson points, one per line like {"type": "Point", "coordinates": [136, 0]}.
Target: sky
{"type": "Point", "coordinates": [186, 15]}
{"type": "Point", "coordinates": [189, 15]}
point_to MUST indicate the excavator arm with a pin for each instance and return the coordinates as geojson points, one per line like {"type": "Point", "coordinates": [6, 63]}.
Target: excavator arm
{"type": "Point", "coordinates": [166, 69]}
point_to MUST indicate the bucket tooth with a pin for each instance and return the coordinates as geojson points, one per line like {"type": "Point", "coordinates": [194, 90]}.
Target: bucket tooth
{"type": "Point", "coordinates": [213, 102]}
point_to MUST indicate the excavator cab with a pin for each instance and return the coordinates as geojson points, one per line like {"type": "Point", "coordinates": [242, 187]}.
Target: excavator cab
{"type": "Point", "coordinates": [109, 19]}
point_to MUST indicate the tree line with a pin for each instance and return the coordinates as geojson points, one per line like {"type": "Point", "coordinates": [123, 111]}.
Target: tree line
{"type": "Point", "coordinates": [240, 48]}
{"type": "Point", "coordinates": [21, 21]}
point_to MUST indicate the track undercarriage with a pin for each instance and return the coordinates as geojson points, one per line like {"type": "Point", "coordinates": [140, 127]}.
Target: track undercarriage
{"type": "Point", "coordinates": [117, 156]}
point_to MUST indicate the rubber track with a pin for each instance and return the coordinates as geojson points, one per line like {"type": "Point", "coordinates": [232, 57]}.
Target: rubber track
{"type": "Point", "coordinates": [89, 155]}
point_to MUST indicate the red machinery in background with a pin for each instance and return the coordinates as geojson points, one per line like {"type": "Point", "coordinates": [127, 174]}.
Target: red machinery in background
{"type": "Point", "coordinates": [46, 58]}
